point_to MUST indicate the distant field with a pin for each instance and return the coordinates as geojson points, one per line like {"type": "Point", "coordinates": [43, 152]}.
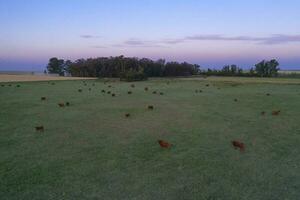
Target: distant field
{"type": "Point", "coordinates": [247, 80]}
{"type": "Point", "coordinates": [90, 150]}
{"type": "Point", "coordinates": [289, 71]}
{"type": "Point", "coordinates": [19, 78]}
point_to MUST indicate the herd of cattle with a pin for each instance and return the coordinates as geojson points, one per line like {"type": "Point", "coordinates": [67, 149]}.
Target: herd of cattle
{"type": "Point", "coordinates": [163, 144]}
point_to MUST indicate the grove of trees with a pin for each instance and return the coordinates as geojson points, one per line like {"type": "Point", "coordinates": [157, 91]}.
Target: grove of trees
{"type": "Point", "coordinates": [267, 68]}
{"type": "Point", "coordinates": [115, 66]}
{"type": "Point", "coordinates": [56, 66]}
{"type": "Point", "coordinates": [227, 70]}
{"type": "Point", "coordinates": [262, 69]}
{"type": "Point", "coordinates": [121, 66]}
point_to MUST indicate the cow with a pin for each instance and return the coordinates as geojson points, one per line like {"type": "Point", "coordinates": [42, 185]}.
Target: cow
{"type": "Point", "coordinates": [61, 105]}
{"type": "Point", "coordinates": [275, 112]}
{"type": "Point", "coordinates": [39, 128]}
{"type": "Point", "coordinates": [238, 145]}
{"type": "Point", "coordinates": [164, 144]}
{"type": "Point", "coordinates": [150, 107]}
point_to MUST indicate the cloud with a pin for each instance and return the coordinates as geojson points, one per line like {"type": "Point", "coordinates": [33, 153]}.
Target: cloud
{"type": "Point", "coordinates": [89, 36]}
{"type": "Point", "coordinates": [222, 38]}
{"type": "Point", "coordinates": [135, 42]}
{"type": "Point", "coordinates": [270, 40]}
{"type": "Point", "coordinates": [98, 47]}
{"type": "Point", "coordinates": [173, 41]}
{"type": "Point", "coordinates": [280, 38]}
{"type": "Point", "coordinates": [273, 39]}
{"type": "Point", "coordinates": [139, 43]}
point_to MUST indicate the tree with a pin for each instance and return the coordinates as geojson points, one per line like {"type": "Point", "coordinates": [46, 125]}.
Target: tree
{"type": "Point", "coordinates": [231, 70]}
{"type": "Point", "coordinates": [56, 66]}
{"type": "Point", "coordinates": [267, 68]}
{"type": "Point", "coordinates": [252, 72]}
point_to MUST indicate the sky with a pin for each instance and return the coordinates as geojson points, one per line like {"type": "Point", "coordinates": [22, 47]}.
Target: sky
{"type": "Point", "coordinates": [211, 33]}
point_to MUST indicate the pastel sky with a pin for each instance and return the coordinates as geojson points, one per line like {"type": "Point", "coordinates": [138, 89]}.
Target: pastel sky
{"type": "Point", "coordinates": [211, 33]}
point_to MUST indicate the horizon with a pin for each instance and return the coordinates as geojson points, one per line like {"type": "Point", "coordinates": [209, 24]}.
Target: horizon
{"type": "Point", "coordinates": [211, 34]}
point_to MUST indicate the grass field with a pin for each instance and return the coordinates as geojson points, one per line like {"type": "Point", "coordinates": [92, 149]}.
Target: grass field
{"type": "Point", "coordinates": [26, 77]}
{"type": "Point", "coordinates": [89, 150]}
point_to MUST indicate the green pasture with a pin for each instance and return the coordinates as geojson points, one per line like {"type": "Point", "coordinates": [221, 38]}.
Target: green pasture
{"type": "Point", "coordinates": [90, 150]}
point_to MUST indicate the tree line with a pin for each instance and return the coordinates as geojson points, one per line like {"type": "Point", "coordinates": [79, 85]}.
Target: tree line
{"type": "Point", "coordinates": [261, 69]}
{"type": "Point", "coordinates": [121, 65]}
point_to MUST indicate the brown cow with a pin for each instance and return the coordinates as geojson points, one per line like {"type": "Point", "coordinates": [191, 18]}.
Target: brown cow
{"type": "Point", "coordinates": [61, 105]}
{"type": "Point", "coordinates": [127, 115]}
{"type": "Point", "coordinates": [150, 107]}
{"type": "Point", "coordinates": [238, 145]}
{"type": "Point", "coordinates": [164, 144]}
{"type": "Point", "coordinates": [39, 128]}
{"type": "Point", "coordinates": [275, 112]}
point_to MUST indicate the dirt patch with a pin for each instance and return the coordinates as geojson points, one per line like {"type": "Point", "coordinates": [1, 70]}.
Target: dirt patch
{"type": "Point", "coordinates": [22, 78]}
